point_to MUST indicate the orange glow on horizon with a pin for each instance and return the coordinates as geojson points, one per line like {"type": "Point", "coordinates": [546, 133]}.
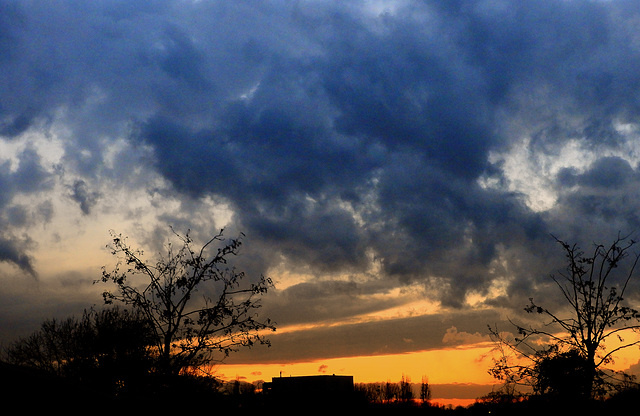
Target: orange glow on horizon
{"type": "Point", "coordinates": [452, 365]}
{"type": "Point", "coordinates": [462, 365]}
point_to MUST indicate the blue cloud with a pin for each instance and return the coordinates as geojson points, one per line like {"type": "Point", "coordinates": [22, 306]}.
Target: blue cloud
{"type": "Point", "coordinates": [333, 132]}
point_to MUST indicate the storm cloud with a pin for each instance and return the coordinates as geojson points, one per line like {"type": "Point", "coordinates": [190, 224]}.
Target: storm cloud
{"type": "Point", "coordinates": [367, 144]}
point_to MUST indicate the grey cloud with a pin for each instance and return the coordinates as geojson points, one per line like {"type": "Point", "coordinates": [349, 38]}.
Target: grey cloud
{"type": "Point", "coordinates": [30, 175]}
{"type": "Point", "coordinates": [608, 172]}
{"type": "Point", "coordinates": [17, 215]}
{"type": "Point", "coordinates": [15, 251]}
{"type": "Point", "coordinates": [603, 193]}
{"type": "Point", "coordinates": [327, 301]}
{"type": "Point", "coordinates": [371, 338]}
{"type": "Point", "coordinates": [597, 205]}
{"type": "Point", "coordinates": [17, 124]}
{"type": "Point", "coordinates": [81, 193]}
{"type": "Point", "coordinates": [27, 177]}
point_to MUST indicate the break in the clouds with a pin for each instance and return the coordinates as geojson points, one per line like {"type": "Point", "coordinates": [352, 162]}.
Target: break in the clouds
{"type": "Point", "coordinates": [362, 146]}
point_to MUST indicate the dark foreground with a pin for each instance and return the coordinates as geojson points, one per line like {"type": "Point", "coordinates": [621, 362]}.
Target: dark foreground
{"type": "Point", "coordinates": [32, 391]}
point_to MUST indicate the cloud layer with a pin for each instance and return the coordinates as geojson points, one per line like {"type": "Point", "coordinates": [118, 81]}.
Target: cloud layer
{"type": "Point", "coordinates": [363, 145]}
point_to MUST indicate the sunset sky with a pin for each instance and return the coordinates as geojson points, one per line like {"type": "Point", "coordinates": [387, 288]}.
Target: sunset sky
{"type": "Point", "coordinates": [397, 167]}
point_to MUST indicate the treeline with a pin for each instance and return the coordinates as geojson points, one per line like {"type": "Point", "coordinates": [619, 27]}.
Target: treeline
{"type": "Point", "coordinates": [106, 354]}
{"type": "Point", "coordinates": [389, 392]}
{"type": "Point", "coordinates": [104, 358]}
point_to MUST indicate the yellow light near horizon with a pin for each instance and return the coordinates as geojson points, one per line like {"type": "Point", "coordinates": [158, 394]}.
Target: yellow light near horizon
{"type": "Point", "coordinates": [452, 365]}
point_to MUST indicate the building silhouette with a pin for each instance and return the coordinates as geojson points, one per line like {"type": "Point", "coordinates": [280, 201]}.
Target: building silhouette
{"type": "Point", "coordinates": [325, 390]}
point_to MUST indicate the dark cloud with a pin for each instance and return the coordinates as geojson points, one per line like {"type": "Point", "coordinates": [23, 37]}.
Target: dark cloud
{"type": "Point", "coordinates": [382, 113]}
{"type": "Point", "coordinates": [15, 252]}
{"type": "Point", "coordinates": [598, 204]}
{"type": "Point", "coordinates": [24, 176]}
{"type": "Point", "coordinates": [327, 301]}
{"type": "Point", "coordinates": [337, 135]}
{"type": "Point", "coordinates": [81, 193]}
{"type": "Point", "coordinates": [606, 173]}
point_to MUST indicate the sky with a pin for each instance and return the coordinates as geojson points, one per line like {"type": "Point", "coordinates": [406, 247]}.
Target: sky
{"type": "Point", "coordinates": [398, 167]}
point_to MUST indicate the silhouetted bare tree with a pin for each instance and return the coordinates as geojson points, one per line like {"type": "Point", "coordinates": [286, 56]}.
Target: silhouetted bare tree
{"type": "Point", "coordinates": [405, 389]}
{"type": "Point", "coordinates": [574, 350]}
{"type": "Point", "coordinates": [425, 390]}
{"type": "Point", "coordinates": [190, 331]}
